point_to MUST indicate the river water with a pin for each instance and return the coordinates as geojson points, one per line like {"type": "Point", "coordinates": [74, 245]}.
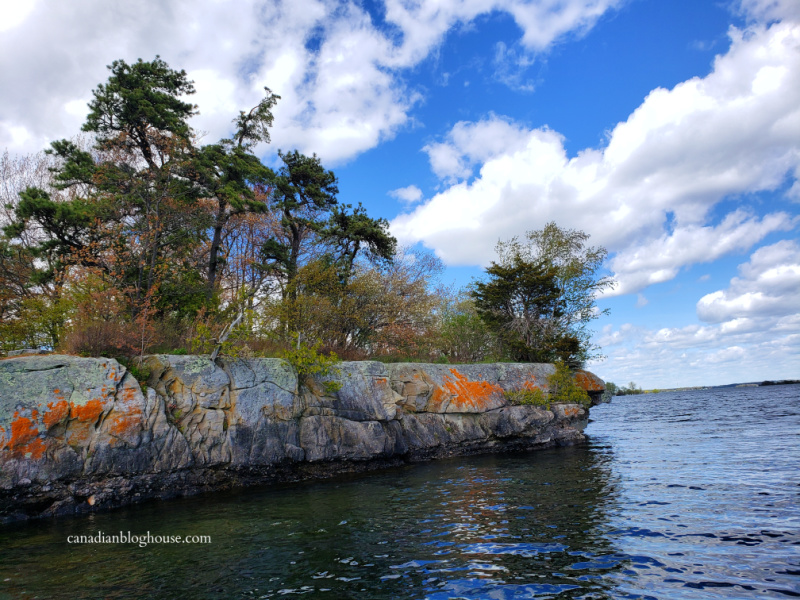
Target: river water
{"type": "Point", "coordinates": [676, 495]}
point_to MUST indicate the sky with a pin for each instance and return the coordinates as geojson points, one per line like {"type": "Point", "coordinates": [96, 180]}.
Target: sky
{"type": "Point", "coordinates": [668, 131]}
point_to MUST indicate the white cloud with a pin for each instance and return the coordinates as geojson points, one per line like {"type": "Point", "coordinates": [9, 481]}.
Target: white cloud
{"type": "Point", "coordinates": [741, 350]}
{"type": "Point", "coordinates": [14, 13]}
{"type": "Point", "coordinates": [725, 355]}
{"type": "Point", "coordinates": [423, 24]}
{"type": "Point", "coordinates": [626, 333]}
{"type": "Point", "coordinates": [770, 10]}
{"type": "Point", "coordinates": [752, 331]}
{"type": "Point", "coordinates": [768, 286]}
{"type": "Point", "coordinates": [661, 258]}
{"type": "Point", "coordinates": [510, 66]}
{"type": "Point", "coordinates": [648, 195]}
{"type": "Point", "coordinates": [409, 194]}
{"type": "Point", "coordinates": [340, 74]}
{"type": "Point", "coordinates": [468, 144]}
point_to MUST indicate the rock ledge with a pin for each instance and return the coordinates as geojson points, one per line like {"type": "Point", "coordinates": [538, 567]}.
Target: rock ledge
{"type": "Point", "coordinates": [80, 434]}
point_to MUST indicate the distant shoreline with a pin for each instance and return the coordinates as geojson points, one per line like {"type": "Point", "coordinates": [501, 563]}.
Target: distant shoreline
{"type": "Point", "coordinates": [728, 385]}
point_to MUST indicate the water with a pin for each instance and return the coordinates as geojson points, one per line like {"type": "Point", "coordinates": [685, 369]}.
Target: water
{"type": "Point", "coordinates": [680, 495]}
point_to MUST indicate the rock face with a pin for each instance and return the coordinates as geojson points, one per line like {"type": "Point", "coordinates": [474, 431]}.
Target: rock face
{"type": "Point", "coordinates": [79, 434]}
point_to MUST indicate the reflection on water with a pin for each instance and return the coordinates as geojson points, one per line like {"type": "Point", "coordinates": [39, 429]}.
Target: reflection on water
{"type": "Point", "coordinates": [676, 496]}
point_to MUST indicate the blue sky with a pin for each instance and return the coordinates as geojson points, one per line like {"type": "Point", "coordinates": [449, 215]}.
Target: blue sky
{"type": "Point", "coordinates": [669, 131]}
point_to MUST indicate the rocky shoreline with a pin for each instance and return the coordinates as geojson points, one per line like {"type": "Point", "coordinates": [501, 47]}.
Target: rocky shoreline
{"type": "Point", "coordinates": [80, 434]}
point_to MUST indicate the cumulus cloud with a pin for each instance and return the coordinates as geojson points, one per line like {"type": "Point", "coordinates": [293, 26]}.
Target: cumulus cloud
{"type": "Point", "coordinates": [661, 258]}
{"type": "Point", "coordinates": [751, 331]}
{"type": "Point", "coordinates": [468, 144]}
{"type": "Point", "coordinates": [408, 194]}
{"type": "Point", "coordinates": [770, 10]}
{"type": "Point", "coordinates": [768, 286]}
{"type": "Point", "coordinates": [338, 71]}
{"type": "Point", "coordinates": [648, 195]}
{"type": "Point", "coordinates": [739, 351]}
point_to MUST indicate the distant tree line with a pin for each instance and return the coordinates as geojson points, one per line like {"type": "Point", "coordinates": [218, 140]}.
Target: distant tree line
{"type": "Point", "coordinates": [134, 238]}
{"type": "Point", "coordinates": [612, 389]}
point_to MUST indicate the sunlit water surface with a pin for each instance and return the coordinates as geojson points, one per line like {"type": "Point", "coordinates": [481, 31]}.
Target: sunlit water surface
{"type": "Point", "coordinates": [678, 495]}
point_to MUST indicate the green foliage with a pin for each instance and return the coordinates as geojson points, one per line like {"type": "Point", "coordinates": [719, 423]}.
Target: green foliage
{"type": "Point", "coordinates": [139, 98]}
{"type": "Point", "coordinates": [541, 295]}
{"type": "Point", "coordinates": [610, 391]}
{"type": "Point", "coordinates": [521, 305]}
{"type": "Point", "coordinates": [138, 370]}
{"type": "Point", "coordinates": [305, 193]}
{"type": "Point", "coordinates": [40, 323]}
{"type": "Point", "coordinates": [528, 397]}
{"type": "Point", "coordinates": [462, 336]}
{"type": "Point", "coordinates": [630, 390]}
{"type": "Point", "coordinates": [204, 340]}
{"type": "Point", "coordinates": [352, 232]}
{"type": "Point", "coordinates": [331, 387]}
{"type": "Point", "coordinates": [253, 126]}
{"type": "Point", "coordinates": [308, 362]}
{"type": "Point", "coordinates": [563, 388]}
{"type": "Point", "coordinates": [146, 240]}
{"type": "Point", "coordinates": [235, 178]}
{"type": "Point", "coordinates": [234, 344]}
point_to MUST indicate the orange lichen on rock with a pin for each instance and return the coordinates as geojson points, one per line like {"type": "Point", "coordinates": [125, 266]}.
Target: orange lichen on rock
{"type": "Point", "coordinates": [589, 381]}
{"type": "Point", "coordinates": [469, 396]}
{"type": "Point", "coordinates": [438, 398]}
{"type": "Point", "coordinates": [23, 430]}
{"type": "Point", "coordinates": [124, 424]}
{"type": "Point", "coordinates": [571, 411]}
{"type": "Point", "coordinates": [25, 439]}
{"type": "Point", "coordinates": [126, 419]}
{"type": "Point", "coordinates": [532, 384]}
{"type": "Point", "coordinates": [55, 414]}
{"type": "Point", "coordinates": [87, 412]}
{"type": "Point", "coordinates": [81, 427]}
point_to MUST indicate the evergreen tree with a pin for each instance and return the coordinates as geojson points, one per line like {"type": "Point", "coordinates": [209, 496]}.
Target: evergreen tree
{"type": "Point", "coordinates": [521, 304]}
{"type": "Point", "coordinates": [557, 265]}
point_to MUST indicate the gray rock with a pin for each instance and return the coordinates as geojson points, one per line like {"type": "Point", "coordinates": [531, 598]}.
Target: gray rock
{"type": "Point", "coordinates": [26, 351]}
{"type": "Point", "coordinates": [336, 438]}
{"type": "Point", "coordinates": [78, 434]}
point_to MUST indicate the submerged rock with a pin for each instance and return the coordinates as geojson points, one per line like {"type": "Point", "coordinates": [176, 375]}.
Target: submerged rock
{"type": "Point", "coordinates": [79, 434]}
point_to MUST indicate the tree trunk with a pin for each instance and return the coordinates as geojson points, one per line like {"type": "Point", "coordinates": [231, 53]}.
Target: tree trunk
{"type": "Point", "coordinates": [213, 255]}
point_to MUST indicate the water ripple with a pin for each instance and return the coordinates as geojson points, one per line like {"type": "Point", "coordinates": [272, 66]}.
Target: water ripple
{"type": "Point", "coordinates": [677, 496]}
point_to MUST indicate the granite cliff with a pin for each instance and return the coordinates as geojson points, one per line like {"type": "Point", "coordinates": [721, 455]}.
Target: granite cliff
{"type": "Point", "coordinates": [80, 434]}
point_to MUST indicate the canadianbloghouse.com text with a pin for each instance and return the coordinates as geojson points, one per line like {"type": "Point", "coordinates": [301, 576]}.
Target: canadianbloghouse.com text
{"type": "Point", "coordinates": [142, 540]}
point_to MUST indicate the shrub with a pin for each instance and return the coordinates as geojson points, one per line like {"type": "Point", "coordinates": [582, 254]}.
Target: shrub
{"type": "Point", "coordinates": [138, 370]}
{"type": "Point", "coordinates": [528, 397]}
{"type": "Point", "coordinates": [563, 388]}
{"type": "Point", "coordinates": [308, 362]}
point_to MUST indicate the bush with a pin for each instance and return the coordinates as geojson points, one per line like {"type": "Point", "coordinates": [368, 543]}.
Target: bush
{"type": "Point", "coordinates": [563, 390]}
{"type": "Point", "coordinates": [528, 397]}
{"type": "Point", "coordinates": [138, 370]}
{"type": "Point", "coordinates": [308, 362]}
